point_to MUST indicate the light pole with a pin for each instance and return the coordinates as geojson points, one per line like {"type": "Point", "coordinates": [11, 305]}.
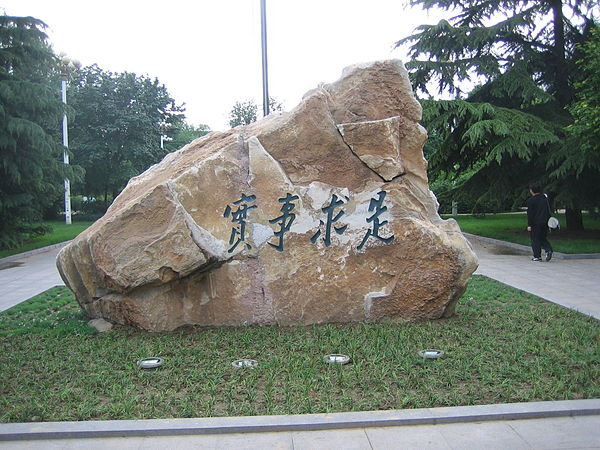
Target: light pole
{"type": "Point", "coordinates": [265, 75]}
{"type": "Point", "coordinates": [66, 66]}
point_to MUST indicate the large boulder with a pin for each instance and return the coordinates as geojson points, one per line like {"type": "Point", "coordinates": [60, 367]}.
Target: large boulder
{"type": "Point", "coordinates": [321, 214]}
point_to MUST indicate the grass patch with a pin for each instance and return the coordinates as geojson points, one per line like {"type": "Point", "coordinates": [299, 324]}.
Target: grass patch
{"type": "Point", "coordinates": [61, 232]}
{"type": "Point", "coordinates": [513, 228]}
{"type": "Point", "coordinates": [502, 346]}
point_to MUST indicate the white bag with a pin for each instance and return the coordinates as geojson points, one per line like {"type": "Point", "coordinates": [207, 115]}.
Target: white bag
{"type": "Point", "coordinates": [553, 223]}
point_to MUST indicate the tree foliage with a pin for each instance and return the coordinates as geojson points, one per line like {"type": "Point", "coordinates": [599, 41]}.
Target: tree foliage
{"type": "Point", "coordinates": [31, 169]}
{"type": "Point", "coordinates": [510, 67]}
{"type": "Point", "coordinates": [184, 134]}
{"type": "Point", "coordinates": [585, 129]}
{"type": "Point", "coordinates": [117, 126]}
{"type": "Point", "coordinates": [245, 113]}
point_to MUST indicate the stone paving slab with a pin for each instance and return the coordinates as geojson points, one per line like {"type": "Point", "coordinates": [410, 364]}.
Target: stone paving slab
{"type": "Point", "coordinates": [305, 422]}
{"type": "Point", "coordinates": [576, 432]}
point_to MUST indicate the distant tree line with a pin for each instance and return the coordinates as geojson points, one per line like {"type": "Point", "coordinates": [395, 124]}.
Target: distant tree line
{"type": "Point", "coordinates": [119, 125]}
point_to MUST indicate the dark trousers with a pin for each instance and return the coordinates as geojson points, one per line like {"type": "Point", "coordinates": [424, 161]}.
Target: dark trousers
{"type": "Point", "coordinates": [539, 240]}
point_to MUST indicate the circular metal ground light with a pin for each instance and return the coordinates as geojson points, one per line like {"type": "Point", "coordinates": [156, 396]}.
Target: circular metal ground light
{"type": "Point", "coordinates": [431, 354]}
{"type": "Point", "coordinates": [245, 364]}
{"type": "Point", "coordinates": [150, 363]}
{"type": "Point", "coordinates": [336, 359]}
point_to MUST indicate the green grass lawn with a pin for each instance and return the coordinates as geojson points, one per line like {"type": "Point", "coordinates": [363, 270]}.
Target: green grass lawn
{"type": "Point", "coordinates": [512, 228]}
{"type": "Point", "coordinates": [60, 233]}
{"type": "Point", "coordinates": [502, 346]}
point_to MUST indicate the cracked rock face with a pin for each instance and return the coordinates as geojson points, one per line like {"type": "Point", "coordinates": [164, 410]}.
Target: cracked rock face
{"type": "Point", "coordinates": [321, 214]}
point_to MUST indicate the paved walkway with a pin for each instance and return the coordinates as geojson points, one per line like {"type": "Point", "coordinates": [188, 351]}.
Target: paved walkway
{"type": "Point", "coordinates": [24, 277]}
{"type": "Point", "coordinates": [541, 425]}
{"type": "Point", "coordinates": [572, 283]}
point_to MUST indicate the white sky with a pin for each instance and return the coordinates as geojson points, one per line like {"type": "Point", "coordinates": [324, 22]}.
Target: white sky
{"type": "Point", "coordinates": [208, 53]}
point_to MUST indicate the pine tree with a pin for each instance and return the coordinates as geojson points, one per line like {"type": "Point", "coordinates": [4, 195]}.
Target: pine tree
{"type": "Point", "coordinates": [520, 56]}
{"type": "Point", "coordinates": [31, 170]}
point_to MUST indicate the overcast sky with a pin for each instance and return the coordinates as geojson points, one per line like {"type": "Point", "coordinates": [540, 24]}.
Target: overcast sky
{"type": "Point", "coordinates": [208, 53]}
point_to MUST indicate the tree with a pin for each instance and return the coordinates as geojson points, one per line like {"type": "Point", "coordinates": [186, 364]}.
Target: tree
{"type": "Point", "coordinates": [31, 168]}
{"type": "Point", "coordinates": [117, 126]}
{"type": "Point", "coordinates": [245, 113]}
{"type": "Point", "coordinates": [579, 158]}
{"type": "Point", "coordinates": [184, 134]}
{"type": "Point", "coordinates": [504, 131]}
{"type": "Point", "coordinates": [586, 108]}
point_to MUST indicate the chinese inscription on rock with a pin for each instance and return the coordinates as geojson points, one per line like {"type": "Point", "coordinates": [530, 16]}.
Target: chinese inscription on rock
{"type": "Point", "coordinates": [238, 213]}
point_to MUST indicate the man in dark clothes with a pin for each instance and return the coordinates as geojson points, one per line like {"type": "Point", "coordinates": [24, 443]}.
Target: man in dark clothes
{"type": "Point", "coordinates": [538, 213]}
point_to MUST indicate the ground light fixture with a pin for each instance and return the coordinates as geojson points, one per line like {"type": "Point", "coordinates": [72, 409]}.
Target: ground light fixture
{"type": "Point", "coordinates": [336, 359]}
{"type": "Point", "coordinates": [431, 354]}
{"type": "Point", "coordinates": [245, 364]}
{"type": "Point", "coordinates": [150, 363]}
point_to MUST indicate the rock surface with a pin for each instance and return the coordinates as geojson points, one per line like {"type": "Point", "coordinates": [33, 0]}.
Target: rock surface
{"type": "Point", "coordinates": [101, 325]}
{"type": "Point", "coordinates": [321, 214]}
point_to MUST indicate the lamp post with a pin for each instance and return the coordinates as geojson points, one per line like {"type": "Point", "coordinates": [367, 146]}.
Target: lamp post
{"type": "Point", "coordinates": [66, 66]}
{"type": "Point", "coordinates": [265, 75]}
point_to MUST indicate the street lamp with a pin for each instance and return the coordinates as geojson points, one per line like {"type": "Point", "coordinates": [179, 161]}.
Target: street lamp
{"type": "Point", "coordinates": [66, 66]}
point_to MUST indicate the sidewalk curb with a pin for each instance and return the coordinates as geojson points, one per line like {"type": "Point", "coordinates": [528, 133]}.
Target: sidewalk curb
{"type": "Point", "coordinates": [308, 422]}
{"type": "Point", "coordinates": [523, 249]}
{"type": "Point", "coordinates": [35, 251]}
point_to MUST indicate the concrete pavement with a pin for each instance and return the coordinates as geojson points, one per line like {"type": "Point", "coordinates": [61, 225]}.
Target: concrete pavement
{"type": "Point", "coordinates": [27, 275]}
{"type": "Point", "coordinates": [574, 283]}
{"type": "Point", "coordinates": [556, 425]}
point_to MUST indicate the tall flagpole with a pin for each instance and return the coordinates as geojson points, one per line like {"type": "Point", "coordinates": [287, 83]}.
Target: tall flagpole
{"type": "Point", "coordinates": [265, 75]}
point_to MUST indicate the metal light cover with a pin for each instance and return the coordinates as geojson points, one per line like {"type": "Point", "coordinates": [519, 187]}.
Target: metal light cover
{"type": "Point", "coordinates": [431, 353]}
{"type": "Point", "coordinates": [245, 364]}
{"type": "Point", "coordinates": [336, 359]}
{"type": "Point", "coordinates": [150, 363]}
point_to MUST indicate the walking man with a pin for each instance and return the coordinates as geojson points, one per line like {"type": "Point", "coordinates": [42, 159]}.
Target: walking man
{"type": "Point", "coordinates": [538, 213]}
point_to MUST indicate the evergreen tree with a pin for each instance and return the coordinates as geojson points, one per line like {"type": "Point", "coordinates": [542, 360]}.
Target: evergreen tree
{"type": "Point", "coordinates": [578, 161]}
{"type": "Point", "coordinates": [502, 133]}
{"type": "Point", "coordinates": [31, 169]}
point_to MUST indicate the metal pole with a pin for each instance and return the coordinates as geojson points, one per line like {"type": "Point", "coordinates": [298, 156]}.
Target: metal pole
{"type": "Point", "coordinates": [265, 75]}
{"type": "Point", "coordinates": [65, 154]}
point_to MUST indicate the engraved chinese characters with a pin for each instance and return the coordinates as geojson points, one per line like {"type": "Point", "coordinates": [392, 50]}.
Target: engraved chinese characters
{"type": "Point", "coordinates": [333, 211]}
{"type": "Point", "coordinates": [238, 217]}
{"type": "Point", "coordinates": [331, 219]}
{"type": "Point", "coordinates": [376, 205]}
{"type": "Point", "coordinates": [285, 220]}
